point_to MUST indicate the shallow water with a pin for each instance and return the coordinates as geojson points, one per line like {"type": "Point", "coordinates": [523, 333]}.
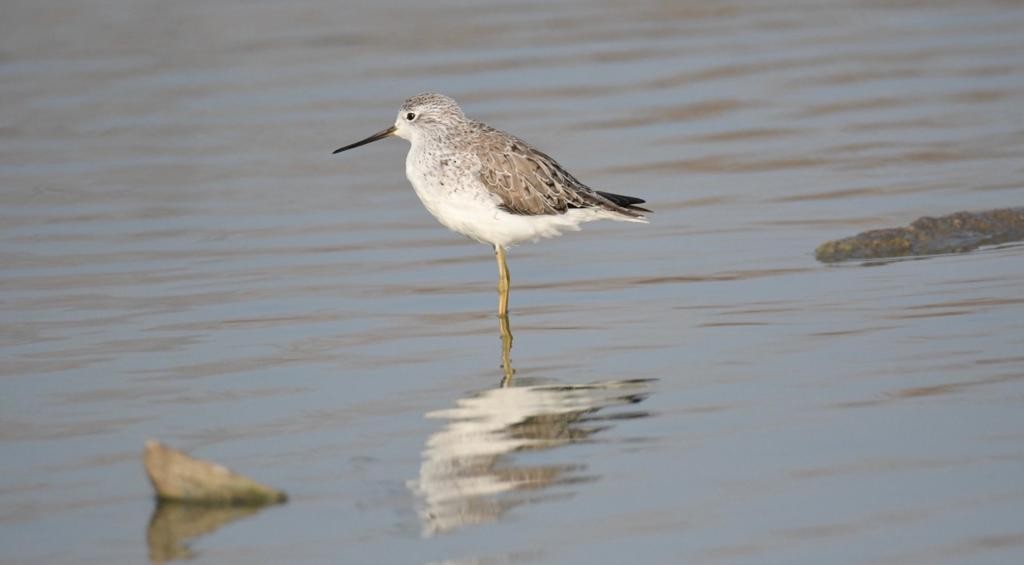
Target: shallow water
{"type": "Point", "coordinates": [182, 258]}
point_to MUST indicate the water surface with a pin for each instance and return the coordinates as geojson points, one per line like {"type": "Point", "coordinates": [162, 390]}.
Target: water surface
{"type": "Point", "coordinates": [182, 258]}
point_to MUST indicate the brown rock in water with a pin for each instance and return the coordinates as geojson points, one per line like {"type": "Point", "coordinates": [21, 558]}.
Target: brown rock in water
{"type": "Point", "coordinates": [177, 476]}
{"type": "Point", "coordinates": [955, 233]}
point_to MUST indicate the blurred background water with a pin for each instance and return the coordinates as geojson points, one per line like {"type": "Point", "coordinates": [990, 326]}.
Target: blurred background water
{"type": "Point", "coordinates": [182, 258]}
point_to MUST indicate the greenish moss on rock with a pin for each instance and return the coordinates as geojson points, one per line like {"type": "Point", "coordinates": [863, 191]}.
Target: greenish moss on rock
{"type": "Point", "coordinates": [955, 233]}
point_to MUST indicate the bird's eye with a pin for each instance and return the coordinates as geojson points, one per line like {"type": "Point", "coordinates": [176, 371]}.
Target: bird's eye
{"type": "Point", "coordinates": [410, 116]}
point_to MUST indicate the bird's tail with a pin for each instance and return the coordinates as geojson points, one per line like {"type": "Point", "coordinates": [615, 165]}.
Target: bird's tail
{"type": "Point", "coordinates": [625, 205]}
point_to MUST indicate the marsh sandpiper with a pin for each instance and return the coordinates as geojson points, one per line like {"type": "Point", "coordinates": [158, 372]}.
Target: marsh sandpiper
{"type": "Point", "coordinates": [492, 186]}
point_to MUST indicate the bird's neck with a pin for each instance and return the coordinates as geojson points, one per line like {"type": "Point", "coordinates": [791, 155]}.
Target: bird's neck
{"type": "Point", "coordinates": [429, 143]}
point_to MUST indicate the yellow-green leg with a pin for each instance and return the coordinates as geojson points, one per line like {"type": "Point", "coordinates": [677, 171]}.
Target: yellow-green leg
{"type": "Point", "coordinates": [504, 283]}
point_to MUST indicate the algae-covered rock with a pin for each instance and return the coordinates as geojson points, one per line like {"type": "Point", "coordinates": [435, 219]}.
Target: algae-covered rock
{"type": "Point", "coordinates": [955, 233]}
{"type": "Point", "coordinates": [177, 476]}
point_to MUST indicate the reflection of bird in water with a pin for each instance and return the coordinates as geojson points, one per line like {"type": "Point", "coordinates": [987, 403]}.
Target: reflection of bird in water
{"type": "Point", "coordinates": [467, 476]}
{"type": "Point", "coordinates": [491, 186]}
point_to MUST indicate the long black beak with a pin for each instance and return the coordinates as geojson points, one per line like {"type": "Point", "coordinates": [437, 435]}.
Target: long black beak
{"type": "Point", "coordinates": [371, 139]}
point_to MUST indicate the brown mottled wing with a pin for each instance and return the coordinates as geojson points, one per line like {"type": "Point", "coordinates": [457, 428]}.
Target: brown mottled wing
{"type": "Point", "coordinates": [529, 182]}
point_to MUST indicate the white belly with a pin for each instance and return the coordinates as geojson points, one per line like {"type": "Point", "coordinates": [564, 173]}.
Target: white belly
{"type": "Point", "coordinates": [463, 205]}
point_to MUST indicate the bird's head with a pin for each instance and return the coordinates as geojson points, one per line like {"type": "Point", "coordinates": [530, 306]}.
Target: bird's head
{"type": "Point", "coordinates": [423, 115]}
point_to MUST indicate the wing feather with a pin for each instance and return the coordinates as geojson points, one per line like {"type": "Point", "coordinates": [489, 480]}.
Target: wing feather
{"type": "Point", "coordinates": [529, 182]}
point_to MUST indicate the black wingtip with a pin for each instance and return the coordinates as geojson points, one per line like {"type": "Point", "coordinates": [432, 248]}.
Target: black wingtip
{"type": "Point", "coordinates": [627, 202]}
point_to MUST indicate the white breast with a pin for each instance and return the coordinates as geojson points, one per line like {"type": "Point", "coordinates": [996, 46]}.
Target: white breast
{"type": "Point", "coordinates": [452, 192]}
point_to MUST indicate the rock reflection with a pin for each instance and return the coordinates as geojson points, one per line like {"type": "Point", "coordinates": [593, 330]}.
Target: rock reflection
{"type": "Point", "coordinates": [469, 474]}
{"type": "Point", "coordinates": [174, 524]}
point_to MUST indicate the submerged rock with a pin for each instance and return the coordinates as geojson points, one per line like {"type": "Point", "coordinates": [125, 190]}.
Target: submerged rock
{"type": "Point", "coordinates": [955, 233]}
{"type": "Point", "coordinates": [177, 476]}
